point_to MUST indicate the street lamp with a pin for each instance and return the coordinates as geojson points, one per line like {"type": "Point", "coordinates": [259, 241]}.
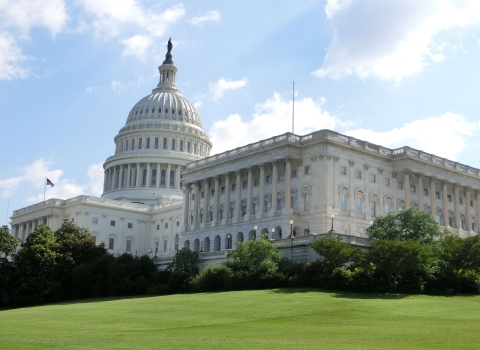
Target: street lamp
{"type": "Point", "coordinates": [273, 232]}
{"type": "Point", "coordinates": [254, 232]}
{"type": "Point", "coordinates": [332, 230]}
{"type": "Point", "coordinates": [291, 230]}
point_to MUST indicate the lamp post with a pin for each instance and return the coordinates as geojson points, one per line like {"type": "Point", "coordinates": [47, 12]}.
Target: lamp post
{"type": "Point", "coordinates": [201, 247]}
{"type": "Point", "coordinates": [273, 233]}
{"type": "Point", "coordinates": [332, 230]}
{"type": "Point", "coordinates": [291, 230]}
{"type": "Point", "coordinates": [254, 232]}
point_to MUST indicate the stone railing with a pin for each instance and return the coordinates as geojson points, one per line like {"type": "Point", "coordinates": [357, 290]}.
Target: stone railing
{"type": "Point", "coordinates": [334, 137]}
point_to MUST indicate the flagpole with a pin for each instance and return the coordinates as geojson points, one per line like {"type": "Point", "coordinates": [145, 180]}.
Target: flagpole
{"type": "Point", "coordinates": [293, 108]}
{"type": "Point", "coordinates": [44, 189]}
{"type": "Point", "coordinates": [8, 208]}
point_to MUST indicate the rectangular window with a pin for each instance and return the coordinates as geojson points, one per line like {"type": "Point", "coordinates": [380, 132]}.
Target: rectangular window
{"type": "Point", "coordinates": [437, 218]}
{"type": "Point", "coordinates": [294, 203]}
{"type": "Point", "coordinates": [343, 170]}
{"type": "Point", "coordinates": [94, 238]}
{"type": "Point", "coordinates": [358, 206]}
{"type": "Point", "coordinates": [294, 173]}
{"type": "Point", "coordinates": [95, 221]}
{"type": "Point", "coordinates": [280, 203]}
{"type": "Point", "coordinates": [268, 179]}
{"type": "Point", "coordinates": [358, 174]}
{"type": "Point", "coordinates": [130, 225]}
{"type": "Point", "coordinates": [400, 208]}
{"type": "Point", "coordinates": [425, 191]}
{"type": "Point", "coordinates": [387, 181]}
{"type": "Point", "coordinates": [386, 209]}
{"type": "Point", "coordinates": [307, 170]}
{"type": "Point", "coordinates": [256, 182]}
{"type": "Point", "coordinates": [400, 185]}
{"type": "Point", "coordinates": [461, 200]}
{"type": "Point", "coordinates": [158, 227]}
{"type": "Point", "coordinates": [223, 190]}
{"type": "Point", "coordinates": [255, 208]}
{"type": "Point", "coordinates": [413, 189]}
{"type": "Point", "coordinates": [203, 194]}
{"type": "Point", "coordinates": [166, 225]}
{"type": "Point", "coordinates": [373, 211]}
{"type": "Point", "coordinates": [373, 178]}
{"type": "Point", "coordinates": [449, 197]}
{"type": "Point", "coordinates": [343, 202]}
{"type": "Point", "coordinates": [112, 223]}
{"type": "Point", "coordinates": [281, 176]}
{"type": "Point", "coordinates": [234, 187]}
{"type": "Point", "coordinates": [212, 192]}
{"type": "Point", "coordinates": [129, 245]}
{"type": "Point", "coordinates": [471, 203]}
{"type": "Point", "coordinates": [111, 243]}
{"type": "Point", "coordinates": [245, 184]}
{"type": "Point", "coordinates": [268, 206]}
{"type": "Point", "coordinates": [307, 202]}
{"type": "Point", "coordinates": [165, 244]}
{"type": "Point", "coordinates": [437, 195]}
{"type": "Point", "coordinates": [450, 222]}
{"type": "Point", "coordinates": [193, 196]}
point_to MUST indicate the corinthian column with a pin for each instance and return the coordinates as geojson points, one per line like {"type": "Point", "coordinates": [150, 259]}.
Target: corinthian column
{"type": "Point", "coordinates": [468, 213]}
{"type": "Point", "coordinates": [249, 191]}
{"type": "Point", "coordinates": [407, 190]}
{"type": "Point", "coordinates": [445, 203]}
{"type": "Point", "coordinates": [261, 202]}
{"type": "Point", "coordinates": [456, 191]}
{"type": "Point", "coordinates": [420, 192]}
{"type": "Point", "coordinates": [274, 187]}
{"type": "Point", "coordinates": [238, 198]}
{"type": "Point", "coordinates": [433, 200]}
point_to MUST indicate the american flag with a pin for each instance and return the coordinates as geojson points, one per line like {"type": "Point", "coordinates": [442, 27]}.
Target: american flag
{"type": "Point", "coordinates": [50, 183]}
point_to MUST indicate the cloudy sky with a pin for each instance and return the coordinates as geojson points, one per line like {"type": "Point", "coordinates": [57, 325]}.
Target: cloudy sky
{"type": "Point", "coordinates": [395, 73]}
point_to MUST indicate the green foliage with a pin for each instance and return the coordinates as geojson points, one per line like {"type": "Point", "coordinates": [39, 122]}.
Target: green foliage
{"type": "Point", "coordinates": [410, 224]}
{"type": "Point", "coordinates": [256, 264]}
{"type": "Point", "coordinates": [37, 267]}
{"type": "Point", "coordinates": [8, 243]}
{"type": "Point", "coordinates": [334, 252]}
{"type": "Point", "coordinates": [212, 279]}
{"type": "Point", "coordinates": [185, 261]}
{"type": "Point", "coordinates": [397, 257]}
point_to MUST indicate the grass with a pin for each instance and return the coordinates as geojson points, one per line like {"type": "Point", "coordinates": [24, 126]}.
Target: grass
{"type": "Point", "coordinates": [271, 319]}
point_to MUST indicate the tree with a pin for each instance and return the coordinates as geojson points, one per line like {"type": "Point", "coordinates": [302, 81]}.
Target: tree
{"type": "Point", "coordinates": [397, 257]}
{"type": "Point", "coordinates": [37, 267]}
{"type": "Point", "coordinates": [185, 261]}
{"type": "Point", "coordinates": [409, 224]}
{"type": "Point", "coordinates": [8, 243]}
{"type": "Point", "coordinates": [75, 247]}
{"type": "Point", "coordinates": [333, 251]}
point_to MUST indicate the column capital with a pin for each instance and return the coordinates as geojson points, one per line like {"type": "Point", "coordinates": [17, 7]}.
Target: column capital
{"type": "Point", "coordinates": [366, 166]}
{"type": "Point", "coordinates": [406, 171]}
{"type": "Point", "coordinates": [380, 170]}
{"type": "Point", "coordinates": [433, 178]}
{"type": "Point", "coordinates": [274, 162]}
{"type": "Point", "coordinates": [420, 176]}
{"type": "Point", "coordinates": [477, 192]}
{"type": "Point", "coordinates": [261, 165]}
{"type": "Point", "coordinates": [288, 160]}
{"type": "Point", "coordinates": [336, 159]}
{"type": "Point", "coordinates": [313, 158]}
{"type": "Point", "coordinates": [456, 186]}
{"type": "Point", "coordinates": [351, 162]}
{"type": "Point", "coordinates": [444, 182]}
{"type": "Point", "coordinates": [321, 156]}
{"type": "Point", "coordinates": [467, 189]}
{"type": "Point", "coordinates": [394, 174]}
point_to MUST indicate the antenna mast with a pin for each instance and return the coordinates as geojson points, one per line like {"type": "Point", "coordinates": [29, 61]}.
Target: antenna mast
{"type": "Point", "coordinates": [293, 108]}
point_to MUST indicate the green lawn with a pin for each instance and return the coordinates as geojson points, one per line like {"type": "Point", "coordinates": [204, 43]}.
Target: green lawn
{"type": "Point", "coordinates": [272, 319]}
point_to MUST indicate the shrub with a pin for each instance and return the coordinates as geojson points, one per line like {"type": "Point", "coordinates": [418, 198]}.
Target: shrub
{"type": "Point", "coordinates": [212, 279]}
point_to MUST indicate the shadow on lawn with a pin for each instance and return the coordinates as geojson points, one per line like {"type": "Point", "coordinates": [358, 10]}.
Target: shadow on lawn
{"type": "Point", "coordinates": [342, 295]}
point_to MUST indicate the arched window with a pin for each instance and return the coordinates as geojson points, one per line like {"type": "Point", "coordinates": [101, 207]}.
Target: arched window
{"type": "Point", "coordinates": [140, 143]}
{"type": "Point", "coordinates": [173, 145]}
{"type": "Point", "coordinates": [186, 244]}
{"type": "Point", "coordinates": [153, 110]}
{"type": "Point", "coordinates": [216, 244]}
{"type": "Point", "coordinates": [188, 147]}
{"type": "Point", "coordinates": [172, 179]}
{"type": "Point", "coordinates": [148, 142]}
{"type": "Point", "coordinates": [154, 177]}
{"type": "Point", "coordinates": [196, 245]}
{"type": "Point", "coordinates": [156, 142]}
{"type": "Point", "coordinates": [181, 145]}
{"type": "Point", "coordinates": [173, 111]}
{"type": "Point", "coordinates": [228, 241]}
{"type": "Point", "coordinates": [165, 143]}
{"type": "Point", "coordinates": [162, 178]}
{"type": "Point", "coordinates": [144, 180]}
{"type": "Point", "coordinates": [166, 110]}
{"type": "Point", "coordinates": [206, 244]}
{"type": "Point", "coordinates": [133, 144]}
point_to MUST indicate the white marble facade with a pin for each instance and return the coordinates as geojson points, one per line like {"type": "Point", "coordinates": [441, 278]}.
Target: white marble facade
{"type": "Point", "coordinates": [163, 191]}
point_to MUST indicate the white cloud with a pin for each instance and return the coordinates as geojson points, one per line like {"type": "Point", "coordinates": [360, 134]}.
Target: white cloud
{"type": "Point", "coordinates": [118, 86]}
{"type": "Point", "coordinates": [34, 175]}
{"type": "Point", "coordinates": [444, 136]}
{"type": "Point", "coordinates": [116, 18]}
{"type": "Point", "coordinates": [198, 104]}
{"type": "Point", "coordinates": [91, 89]}
{"type": "Point", "coordinates": [272, 117]}
{"type": "Point", "coordinates": [210, 16]}
{"type": "Point", "coordinates": [17, 18]}
{"type": "Point", "coordinates": [137, 45]}
{"type": "Point", "coordinates": [217, 89]}
{"type": "Point", "coordinates": [391, 39]}
{"type": "Point", "coordinates": [11, 59]}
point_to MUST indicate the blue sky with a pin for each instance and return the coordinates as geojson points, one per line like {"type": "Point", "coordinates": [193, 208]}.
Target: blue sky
{"type": "Point", "coordinates": [398, 72]}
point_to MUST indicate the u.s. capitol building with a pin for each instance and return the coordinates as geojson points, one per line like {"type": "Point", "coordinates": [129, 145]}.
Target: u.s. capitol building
{"type": "Point", "coordinates": [164, 191]}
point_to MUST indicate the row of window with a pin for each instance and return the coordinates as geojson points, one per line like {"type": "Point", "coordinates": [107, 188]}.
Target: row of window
{"type": "Point", "coordinates": [130, 145]}
{"type": "Point", "coordinates": [255, 208]}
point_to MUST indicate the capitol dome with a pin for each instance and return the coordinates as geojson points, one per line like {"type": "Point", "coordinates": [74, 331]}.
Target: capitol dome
{"type": "Point", "coordinates": [162, 134]}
